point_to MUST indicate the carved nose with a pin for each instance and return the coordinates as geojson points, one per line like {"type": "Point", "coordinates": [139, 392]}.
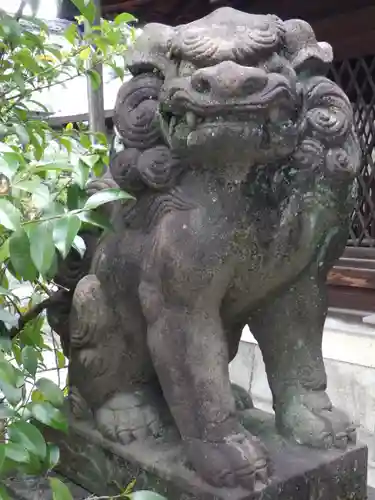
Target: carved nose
{"type": "Point", "coordinates": [228, 79]}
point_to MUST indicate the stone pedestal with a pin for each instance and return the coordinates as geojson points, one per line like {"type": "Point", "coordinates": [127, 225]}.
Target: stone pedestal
{"type": "Point", "coordinates": [103, 467]}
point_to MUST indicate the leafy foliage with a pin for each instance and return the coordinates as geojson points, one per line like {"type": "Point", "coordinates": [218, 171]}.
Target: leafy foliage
{"type": "Point", "coordinates": [43, 206]}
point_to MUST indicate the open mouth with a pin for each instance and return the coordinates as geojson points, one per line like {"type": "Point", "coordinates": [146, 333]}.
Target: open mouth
{"type": "Point", "coordinates": [275, 105]}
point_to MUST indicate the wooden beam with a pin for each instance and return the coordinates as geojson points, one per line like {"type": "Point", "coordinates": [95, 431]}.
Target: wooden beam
{"type": "Point", "coordinates": [359, 299]}
{"type": "Point", "coordinates": [345, 25]}
{"type": "Point", "coordinates": [125, 6]}
{"type": "Point", "coordinates": [352, 34]}
{"type": "Point", "coordinates": [309, 11]}
{"type": "Point", "coordinates": [353, 277]}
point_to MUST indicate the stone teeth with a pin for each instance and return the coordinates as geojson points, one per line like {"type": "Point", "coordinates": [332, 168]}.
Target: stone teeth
{"type": "Point", "coordinates": [191, 119]}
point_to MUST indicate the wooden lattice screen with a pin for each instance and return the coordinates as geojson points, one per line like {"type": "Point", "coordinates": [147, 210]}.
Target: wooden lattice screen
{"type": "Point", "coordinates": [357, 78]}
{"type": "Point", "coordinates": [352, 282]}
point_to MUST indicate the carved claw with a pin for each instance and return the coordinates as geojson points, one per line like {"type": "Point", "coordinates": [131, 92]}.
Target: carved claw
{"type": "Point", "coordinates": [127, 417]}
{"type": "Point", "coordinates": [237, 459]}
{"type": "Point", "coordinates": [320, 427]}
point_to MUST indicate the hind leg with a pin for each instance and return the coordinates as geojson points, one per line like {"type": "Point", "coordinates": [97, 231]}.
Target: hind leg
{"type": "Point", "coordinates": [110, 376]}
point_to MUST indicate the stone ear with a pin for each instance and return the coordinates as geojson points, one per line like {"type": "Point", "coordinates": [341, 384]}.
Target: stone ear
{"type": "Point", "coordinates": [150, 52]}
{"type": "Point", "coordinates": [303, 51]}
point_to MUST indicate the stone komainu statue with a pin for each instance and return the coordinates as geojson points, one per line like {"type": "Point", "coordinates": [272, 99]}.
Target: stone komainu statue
{"type": "Point", "coordinates": [241, 155]}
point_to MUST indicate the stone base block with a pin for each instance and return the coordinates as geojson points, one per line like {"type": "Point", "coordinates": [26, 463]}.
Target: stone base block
{"type": "Point", "coordinates": [103, 467]}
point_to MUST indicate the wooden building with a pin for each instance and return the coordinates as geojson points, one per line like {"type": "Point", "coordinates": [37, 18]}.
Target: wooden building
{"type": "Point", "coordinates": [349, 26]}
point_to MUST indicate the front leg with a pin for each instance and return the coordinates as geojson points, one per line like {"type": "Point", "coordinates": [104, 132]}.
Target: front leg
{"type": "Point", "coordinates": [190, 354]}
{"type": "Point", "coordinates": [289, 333]}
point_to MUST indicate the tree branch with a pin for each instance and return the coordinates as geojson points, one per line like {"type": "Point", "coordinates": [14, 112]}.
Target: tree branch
{"type": "Point", "coordinates": [34, 313]}
{"type": "Point", "coordinates": [20, 10]}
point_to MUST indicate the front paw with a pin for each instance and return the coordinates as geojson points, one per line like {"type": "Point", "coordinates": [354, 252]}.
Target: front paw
{"type": "Point", "coordinates": [239, 459]}
{"type": "Point", "coordinates": [310, 419]}
{"type": "Point", "coordinates": [127, 417]}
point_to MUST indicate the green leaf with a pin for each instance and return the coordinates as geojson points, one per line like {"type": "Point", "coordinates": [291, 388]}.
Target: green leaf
{"type": "Point", "coordinates": [8, 373]}
{"type": "Point", "coordinates": [4, 291]}
{"type": "Point", "coordinates": [22, 134]}
{"type": "Point", "coordinates": [41, 196]}
{"type": "Point", "coordinates": [61, 361]}
{"type": "Point", "coordinates": [106, 196]}
{"type": "Point", "coordinates": [59, 490]}
{"type": "Point", "coordinates": [86, 8]}
{"type": "Point", "coordinates": [5, 411]}
{"type": "Point", "coordinates": [50, 391]}
{"type": "Point", "coordinates": [54, 50]}
{"type": "Point", "coordinates": [130, 487]}
{"type": "Point", "coordinates": [81, 173]}
{"type": "Point", "coordinates": [18, 78]}
{"type": "Point", "coordinates": [44, 412]}
{"type": "Point", "coordinates": [31, 334]}
{"type": "Point", "coordinates": [4, 251]}
{"type": "Point", "coordinates": [84, 139]}
{"type": "Point", "coordinates": [42, 247]}
{"type": "Point", "coordinates": [125, 18]}
{"type": "Point", "coordinates": [28, 436]}
{"type": "Point", "coordinates": [12, 394]}
{"type": "Point", "coordinates": [38, 147]}
{"type": "Point", "coordinates": [11, 382]}
{"type": "Point", "coordinates": [4, 130]}
{"type": "Point", "coordinates": [95, 78]}
{"type": "Point", "coordinates": [5, 343]}
{"type": "Point", "coordinates": [7, 317]}
{"type": "Point", "coordinates": [120, 72]}
{"type": "Point", "coordinates": [17, 353]}
{"type": "Point", "coordinates": [2, 455]}
{"type": "Point", "coordinates": [19, 252]}
{"type": "Point", "coordinates": [17, 453]}
{"type": "Point", "coordinates": [37, 396]}
{"type": "Point", "coordinates": [30, 359]}
{"type": "Point", "coordinates": [27, 60]}
{"type": "Point", "coordinates": [9, 164]}
{"type": "Point", "coordinates": [79, 245]}
{"type": "Point", "coordinates": [3, 493]}
{"type": "Point", "coordinates": [52, 166]}
{"type": "Point", "coordinates": [95, 219]}
{"type": "Point", "coordinates": [84, 54]}
{"type": "Point", "coordinates": [53, 455]}
{"type": "Point", "coordinates": [90, 160]}
{"type": "Point", "coordinates": [71, 33]}
{"type": "Point", "coordinates": [76, 197]}
{"type": "Point", "coordinates": [67, 143]}
{"type": "Point", "coordinates": [64, 232]}
{"type": "Point", "coordinates": [27, 185]}
{"type": "Point", "coordinates": [10, 216]}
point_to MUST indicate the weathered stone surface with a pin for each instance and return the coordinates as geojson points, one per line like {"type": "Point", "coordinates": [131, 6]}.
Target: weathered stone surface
{"type": "Point", "coordinates": [38, 488]}
{"type": "Point", "coordinates": [299, 473]}
{"type": "Point", "coordinates": [242, 157]}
